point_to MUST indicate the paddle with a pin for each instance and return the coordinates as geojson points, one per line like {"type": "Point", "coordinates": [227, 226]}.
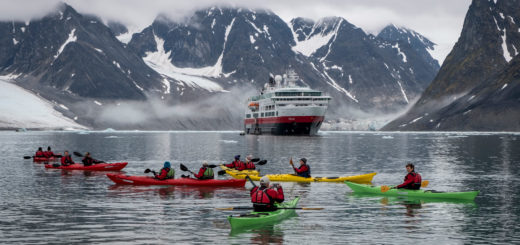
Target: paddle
{"type": "Point", "coordinates": [29, 157]}
{"type": "Point", "coordinates": [81, 155]}
{"type": "Point", "coordinates": [240, 208]}
{"type": "Point", "coordinates": [263, 162]}
{"type": "Point", "coordinates": [184, 168]}
{"type": "Point", "coordinates": [148, 171]}
{"type": "Point", "coordinates": [249, 178]}
{"type": "Point", "coordinates": [292, 164]}
{"type": "Point", "coordinates": [385, 188]}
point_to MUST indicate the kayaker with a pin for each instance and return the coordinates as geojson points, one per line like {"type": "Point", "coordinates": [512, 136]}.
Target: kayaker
{"type": "Point", "coordinates": [412, 180]}
{"type": "Point", "coordinates": [205, 172]}
{"type": "Point", "coordinates": [249, 164]}
{"type": "Point", "coordinates": [48, 153]}
{"type": "Point", "coordinates": [167, 172]}
{"type": "Point", "coordinates": [66, 160]}
{"type": "Point", "coordinates": [304, 170]}
{"type": "Point", "coordinates": [39, 153]}
{"type": "Point", "coordinates": [237, 164]}
{"type": "Point", "coordinates": [88, 160]}
{"type": "Point", "coordinates": [264, 197]}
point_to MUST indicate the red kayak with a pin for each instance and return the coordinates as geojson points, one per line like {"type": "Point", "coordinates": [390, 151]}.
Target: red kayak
{"type": "Point", "coordinates": [122, 179]}
{"type": "Point", "coordinates": [45, 159]}
{"type": "Point", "coordinates": [95, 167]}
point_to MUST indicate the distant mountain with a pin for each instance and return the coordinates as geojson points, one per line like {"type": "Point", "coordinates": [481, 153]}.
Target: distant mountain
{"type": "Point", "coordinates": [74, 54]}
{"type": "Point", "coordinates": [477, 87]}
{"type": "Point", "coordinates": [384, 72]}
{"type": "Point", "coordinates": [215, 55]}
{"type": "Point", "coordinates": [233, 46]}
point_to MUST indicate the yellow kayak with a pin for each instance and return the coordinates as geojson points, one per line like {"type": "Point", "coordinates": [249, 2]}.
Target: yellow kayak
{"type": "Point", "coordinates": [364, 178]}
{"type": "Point", "coordinates": [232, 172]}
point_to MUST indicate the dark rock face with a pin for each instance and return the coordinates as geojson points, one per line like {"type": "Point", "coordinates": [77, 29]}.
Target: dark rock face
{"type": "Point", "coordinates": [76, 54]}
{"type": "Point", "coordinates": [470, 91]}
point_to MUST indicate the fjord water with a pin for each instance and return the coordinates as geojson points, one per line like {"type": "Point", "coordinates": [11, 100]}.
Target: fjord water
{"type": "Point", "coordinates": [55, 206]}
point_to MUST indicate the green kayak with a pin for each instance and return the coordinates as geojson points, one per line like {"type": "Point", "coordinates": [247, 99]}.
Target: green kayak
{"type": "Point", "coordinates": [262, 218]}
{"type": "Point", "coordinates": [361, 188]}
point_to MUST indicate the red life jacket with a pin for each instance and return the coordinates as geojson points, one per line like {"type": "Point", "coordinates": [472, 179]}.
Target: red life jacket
{"type": "Point", "coordinates": [48, 154]}
{"type": "Point", "coordinates": [66, 160]}
{"type": "Point", "coordinates": [250, 165]}
{"type": "Point", "coordinates": [260, 196]}
{"type": "Point", "coordinates": [239, 165]}
{"type": "Point", "coordinates": [39, 154]}
{"type": "Point", "coordinates": [417, 179]}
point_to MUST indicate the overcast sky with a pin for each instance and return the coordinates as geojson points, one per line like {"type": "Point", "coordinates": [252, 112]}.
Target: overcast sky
{"type": "Point", "coordinates": [440, 20]}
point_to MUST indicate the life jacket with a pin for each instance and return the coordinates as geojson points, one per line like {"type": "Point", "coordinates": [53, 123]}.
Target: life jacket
{"type": "Point", "coordinates": [261, 197]}
{"type": "Point", "coordinates": [87, 161]}
{"type": "Point", "coordinates": [239, 165]}
{"type": "Point", "coordinates": [66, 160]}
{"type": "Point", "coordinates": [417, 181]}
{"type": "Point", "coordinates": [39, 154]}
{"type": "Point", "coordinates": [208, 174]}
{"type": "Point", "coordinates": [48, 154]}
{"type": "Point", "coordinates": [170, 174]}
{"type": "Point", "coordinates": [306, 174]}
{"type": "Point", "coordinates": [250, 165]}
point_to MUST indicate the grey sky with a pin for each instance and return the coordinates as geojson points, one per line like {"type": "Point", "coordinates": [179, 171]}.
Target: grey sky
{"type": "Point", "coordinates": [440, 21]}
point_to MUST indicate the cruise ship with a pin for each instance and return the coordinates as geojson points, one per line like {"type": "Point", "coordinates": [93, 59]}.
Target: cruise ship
{"type": "Point", "coordinates": [283, 108]}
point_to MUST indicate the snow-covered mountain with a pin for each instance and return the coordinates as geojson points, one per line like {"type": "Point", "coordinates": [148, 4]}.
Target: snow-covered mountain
{"type": "Point", "coordinates": [92, 68]}
{"type": "Point", "coordinates": [478, 85]}
{"type": "Point", "coordinates": [228, 45]}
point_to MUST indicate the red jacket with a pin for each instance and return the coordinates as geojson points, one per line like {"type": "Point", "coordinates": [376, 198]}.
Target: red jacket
{"type": "Point", "coordinates": [201, 173]}
{"type": "Point", "coordinates": [250, 165]}
{"type": "Point", "coordinates": [262, 195]}
{"type": "Point", "coordinates": [48, 154]}
{"type": "Point", "coordinates": [303, 171]}
{"type": "Point", "coordinates": [237, 164]}
{"type": "Point", "coordinates": [411, 181]}
{"type": "Point", "coordinates": [66, 160]}
{"type": "Point", "coordinates": [163, 174]}
{"type": "Point", "coordinates": [39, 154]}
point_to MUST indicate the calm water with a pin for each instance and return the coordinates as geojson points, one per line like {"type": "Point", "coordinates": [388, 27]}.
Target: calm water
{"type": "Point", "coordinates": [54, 206]}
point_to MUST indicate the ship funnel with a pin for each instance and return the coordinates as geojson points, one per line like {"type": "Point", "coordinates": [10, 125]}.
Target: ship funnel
{"type": "Point", "coordinates": [278, 80]}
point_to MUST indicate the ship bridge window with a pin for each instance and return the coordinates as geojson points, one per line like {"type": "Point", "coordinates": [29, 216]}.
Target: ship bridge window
{"type": "Point", "coordinates": [255, 115]}
{"type": "Point", "coordinates": [311, 93]}
{"type": "Point", "coordinates": [248, 115]}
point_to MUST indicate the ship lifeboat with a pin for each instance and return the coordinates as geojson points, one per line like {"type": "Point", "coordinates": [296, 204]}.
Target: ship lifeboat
{"type": "Point", "coordinates": [253, 106]}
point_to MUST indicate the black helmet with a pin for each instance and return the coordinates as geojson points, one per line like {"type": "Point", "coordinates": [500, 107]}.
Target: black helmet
{"type": "Point", "coordinates": [304, 160]}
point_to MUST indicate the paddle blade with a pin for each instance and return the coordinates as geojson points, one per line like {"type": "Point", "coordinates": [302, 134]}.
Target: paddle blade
{"type": "Point", "coordinates": [385, 188]}
{"type": "Point", "coordinates": [425, 183]}
{"type": "Point", "coordinates": [262, 162]}
{"type": "Point", "coordinates": [255, 159]}
{"type": "Point", "coordinates": [184, 168]}
{"type": "Point", "coordinates": [78, 154]}
{"type": "Point", "coordinates": [147, 171]}
{"type": "Point", "coordinates": [221, 172]}
{"type": "Point", "coordinates": [212, 166]}
{"type": "Point", "coordinates": [231, 208]}
{"type": "Point", "coordinates": [27, 157]}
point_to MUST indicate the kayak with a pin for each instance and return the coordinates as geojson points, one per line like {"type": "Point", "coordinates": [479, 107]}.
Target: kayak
{"type": "Point", "coordinates": [360, 188]}
{"type": "Point", "coordinates": [364, 178]}
{"type": "Point", "coordinates": [45, 159]}
{"type": "Point", "coordinates": [122, 179]}
{"type": "Point", "coordinates": [235, 172]}
{"type": "Point", "coordinates": [263, 218]}
{"type": "Point", "coordinates": [95, 167]}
